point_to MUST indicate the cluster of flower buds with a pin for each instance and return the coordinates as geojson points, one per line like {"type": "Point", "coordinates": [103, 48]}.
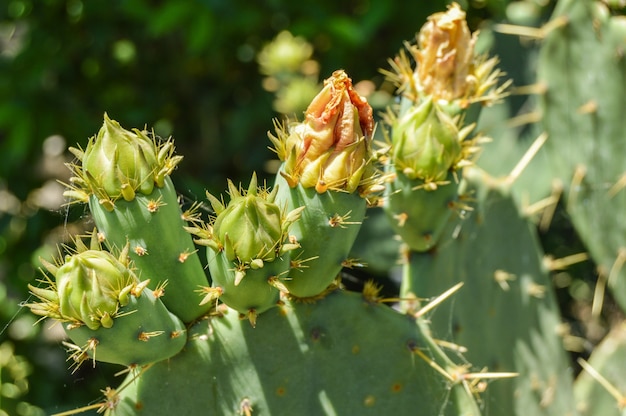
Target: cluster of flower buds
{"type": "Point", "coordinates": [430, 130]}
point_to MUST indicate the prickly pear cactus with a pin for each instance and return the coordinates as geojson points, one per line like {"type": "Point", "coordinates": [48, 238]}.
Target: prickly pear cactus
{"type": "Point", "coordinates": [460, 225]}
{"type": "Point", "coordinates": [274, 331]}
{"type": "Point", "coordinates": [327, 168]}
{"type": "Point", "coordinates": [339, 342]}
{"type": "Point", "coordinates": [248, 249]}
{"type": "Point", "coordinates": [582, 67]}
{"type": "Point", "coordinates": [109, 314]}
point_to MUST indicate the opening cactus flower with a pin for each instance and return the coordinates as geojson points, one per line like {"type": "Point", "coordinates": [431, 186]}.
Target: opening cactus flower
{"type": "Point", "coordinates": [117, 163]}
{"type": "Point", "coordinates": [448, 70]}
{"type": "Point", "coordinates": [331, 148]}
{"type": "Point", "coordinates": [89, 287]}
{"type": "Point", "coordinates": [445, 55]}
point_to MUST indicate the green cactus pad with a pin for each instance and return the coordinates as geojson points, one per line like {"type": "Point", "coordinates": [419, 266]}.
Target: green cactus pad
{"type": "Point", "coordinates": [583, 68]}
{"type": "Point", "coordinates": [419, 215]}
{"type": "Point", "coordinates": [340, 356]}
{"type": "Point", "coordinates": [144, 332]}
{"type": "Point", "coordinates": [253, 293]}
{"type": "Point", "coordinates": [506, 314]}
{"type": "Point", "coordinates": [159, 246]}
{"type": "Point", "coordinates": [326, 232]}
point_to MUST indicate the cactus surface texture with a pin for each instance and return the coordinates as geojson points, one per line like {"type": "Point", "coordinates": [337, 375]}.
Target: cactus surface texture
{"type": "Point", "coordinates": [301, 358]}
{"type": "Point", "coordinates": [583, 148]}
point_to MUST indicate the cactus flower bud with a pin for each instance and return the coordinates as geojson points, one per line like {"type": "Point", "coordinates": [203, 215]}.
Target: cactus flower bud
{"type": "Point", "coordinates": [107, 308]}
{"type": "Point", "coordinates": [248, 244]}
{"type": "Point", "coordinates": [330, 149]}
{"type": "Point", "coordinates": [118, 163]}
{"type": "Point", "coordinates": [92, 285]}
{"type": "Point", "coordinates": [445, 55]}
{"type": "Point", "coordinates": [426, 143]}
{"type": "Point", "coordinates": [252, 224]}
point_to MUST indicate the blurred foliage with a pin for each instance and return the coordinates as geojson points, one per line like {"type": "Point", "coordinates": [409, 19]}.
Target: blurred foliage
{"type": "Point", "coordinates": [187, 69]}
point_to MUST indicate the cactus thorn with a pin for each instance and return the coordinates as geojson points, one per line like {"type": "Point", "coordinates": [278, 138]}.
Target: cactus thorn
{"type": "Point", "coordinates": [351, 263]}
{"type": "Point", "coordinates": [371, 291]}
{"type": "Point", "coordinates": [433, 303]}
{"type": "Point", "coordinates": [563, 263]}
{"type": "Point", "coordinates": [618, 186]}
{"type": "Point", "coordinates": [604, 279]}
{"type": "Point", "coordinates": [451, 346]}
{"type": "Point", "coordinates": [193, 214]}
{"type": "Point", "coordinates": [503, 278]}
{"type": "Point", "coordinates": [80, 354]}
{"type": "Point", "coordinates": [298, 263]}
{"type": "Point", "coordinates": [525, 160]}
{"type": "Point", "coordinates": [341, 220]}
{"type": "Point", "coordinates": [251, 315]}
{"type": "Point", "coordinates": [140, 251]}
{"type": "Point", "coordinates": [535, 290]}
{"type": "Point", "coordinates": [276, 282]}
{"type": "Point", "coordinates": [159, 290]}
{"type": "Point", "coordinates": [619, 397]}
{"type": "Point", "coordinates": [577, 178]}
{"type": "Point", "coordinates": [245, 407]}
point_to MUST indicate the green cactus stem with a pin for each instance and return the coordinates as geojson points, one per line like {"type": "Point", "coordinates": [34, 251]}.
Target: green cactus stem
{"type": "Point", "coordinates": [248, 248]}
{"type": "Point", "coordinates": [112, 178]}
{"type": "Point", "coordinates": [110, 314]}
{"type": "Point", "coordinates": [170, 263]}
{"type": "Point", "coordinates": [506, 314]}
{"type": "Point", "coordinates": [419, 215]}
{"type": "Point", "coordinates": [144, 332]}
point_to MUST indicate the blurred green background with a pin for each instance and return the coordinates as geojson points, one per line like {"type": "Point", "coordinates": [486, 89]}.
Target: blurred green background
{"type": "Point", "coordinates": [185, 68]}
